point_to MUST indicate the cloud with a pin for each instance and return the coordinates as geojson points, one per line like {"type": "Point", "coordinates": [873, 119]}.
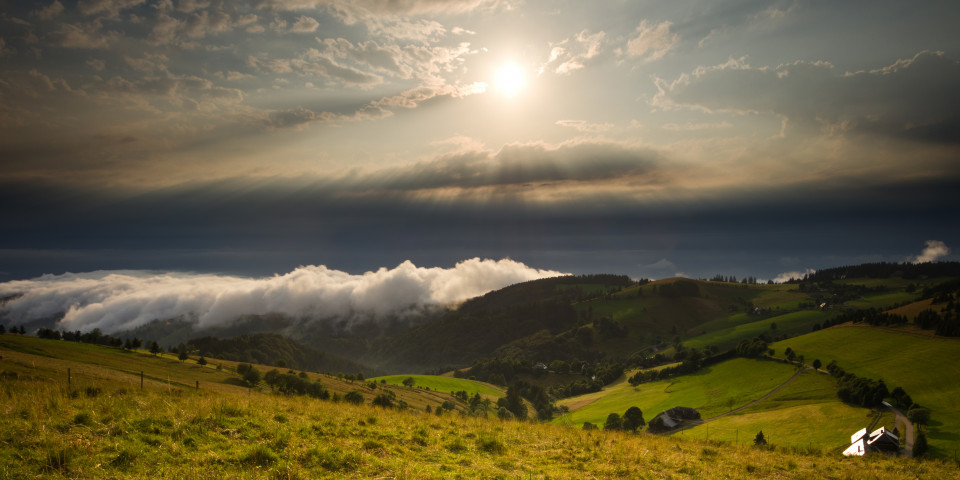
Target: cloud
{"type": "Point", "coordinates": [794, 275]}
{"type": "Point", "coordinates": [85, 35]}
{"type": "Point", "coordinates": [120, 300]}
{"type": "Point", "coordinates": [584, 126]}
{"type": "Point", "coordinates": [520, 165]}
{"type": "Point", "coordinates": [651, 41]}
{"type": "Point", "coordinates": [934, 251]}
{"type": "Point", "coordinates": [913, 98]}
{"type": "Point", "coordinates": [50, 11]}
{"type": "Point", "coordinates": [305, 24]}
{"type": "Point", "coordinates": [110, 8]}
{"type": "Point", "coordinates": [574, 53]}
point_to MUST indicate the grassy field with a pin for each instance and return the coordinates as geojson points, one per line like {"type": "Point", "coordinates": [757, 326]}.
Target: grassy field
{"type": "Point", "coordinates": [883, 300]}
{"type": "Point", "coordinates": [926, 367]}
{"type": "Point", "coordinates": [92, 365]}
{"type": "Point", "coordinates": [444, 384]}
{"type": "Point", "coordinates": [794, 323]}
{"type": "Point", "coordinates": [806, 413]}
{"type": "Point", "coordinates": [102, 429]}
{"type": "Point", "coordinates": [712, 391]}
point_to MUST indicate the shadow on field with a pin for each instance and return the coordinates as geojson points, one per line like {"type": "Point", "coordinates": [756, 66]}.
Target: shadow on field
{"type": "Point", "coordinates": [234, 381]}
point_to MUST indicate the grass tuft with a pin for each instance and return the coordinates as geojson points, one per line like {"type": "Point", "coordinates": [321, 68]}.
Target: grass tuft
{"type": "Point", "coordinates": [260, 455]}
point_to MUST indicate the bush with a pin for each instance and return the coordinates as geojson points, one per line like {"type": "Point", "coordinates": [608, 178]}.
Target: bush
{"type": "Point", "coordinates": [354, 397]}
{"type": "Point", "coordinates": [613, 422]}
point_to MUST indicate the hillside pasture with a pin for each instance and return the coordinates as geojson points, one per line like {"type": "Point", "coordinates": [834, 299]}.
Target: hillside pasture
{"type": "Point", "coordinates": [712, 390]}
{"type": "Point", "coordinates": [443, 384]}
{"type": "Point", "coordinates": [794, 323]}
{"type": "Point", "coordinates": [806, 414]}
{"type": "Point", "coordinates": [926, 367]}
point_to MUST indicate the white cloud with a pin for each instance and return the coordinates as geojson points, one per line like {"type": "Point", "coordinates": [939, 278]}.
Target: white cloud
{"type": "Point", "coordinates": [574, 53]}
{"type": "Point", "coordinates": [584, 126]}
{"type": "Point", "coordinates": [794, 275]}
{"type": "Point", "coordinates": [934, 251]}
{"type": "Point", "coordinates": [913, 98]}
{"type": "Point", "coordinates": [118, 300]}
{"type": "Point", "coordinates": [652, 41]}
{"type": "Point", "coordinates": [305, 24]}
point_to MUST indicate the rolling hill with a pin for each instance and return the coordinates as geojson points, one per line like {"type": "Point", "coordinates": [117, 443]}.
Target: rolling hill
{"type": "Point", "coordinates": [102, 425]}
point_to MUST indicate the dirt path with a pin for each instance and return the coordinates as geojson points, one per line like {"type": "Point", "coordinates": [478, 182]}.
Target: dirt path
{"type": "Point", "coordinates": [907, 430]}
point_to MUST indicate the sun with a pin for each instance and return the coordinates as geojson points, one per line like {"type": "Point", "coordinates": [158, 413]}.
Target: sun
{"type": "Point", "coordinates": [510, 79]}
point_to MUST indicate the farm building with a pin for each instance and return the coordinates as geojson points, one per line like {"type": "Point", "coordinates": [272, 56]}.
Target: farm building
{"type": "Point", "coordinates": [672, 419]}
{"type": "Point", "coordinates": [881, 440]}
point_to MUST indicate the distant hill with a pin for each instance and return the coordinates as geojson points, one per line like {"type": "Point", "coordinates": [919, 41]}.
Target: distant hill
{"type": "Point", "coordinates": [276, 350]}
{"type": "Point", "coordinates": [482, 325]}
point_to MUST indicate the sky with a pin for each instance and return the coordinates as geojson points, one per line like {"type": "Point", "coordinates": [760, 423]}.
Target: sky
{"type": "Point", "coordinates": [244, 139]}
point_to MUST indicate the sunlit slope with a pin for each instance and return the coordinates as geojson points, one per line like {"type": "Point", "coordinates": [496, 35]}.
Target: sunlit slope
{"type": "Point", "coordinates": [96, 365]}
{"type": "Point", "coordinates": [653, 312]}
{"type": "Point", "coordinates": [926, 367]}
{"type": "Point", "coordinates": [805, 413]}
{"type": "Point", "coordinates": [104, 427]}
{"type": "Point", "coordinates": [443, 384]}
{"type": "Point", "coordinates": [712, 391]}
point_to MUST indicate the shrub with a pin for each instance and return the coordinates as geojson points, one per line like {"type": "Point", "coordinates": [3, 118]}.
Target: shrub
{"type": "Point", "coordinates": [589, 426]}
{"type": "Point", "coordinates": [354, 397]}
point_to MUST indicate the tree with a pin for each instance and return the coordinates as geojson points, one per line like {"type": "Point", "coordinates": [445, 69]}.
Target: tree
{"type": "Point", "coordinates": [155, 348]}
{"type": "Point", "coordinates": [127, 345]}
{"type": "Point", "coordinates": [514, 402]}
{"type": "Point", "coordinates": [632, 419]}
{"type": "Point", "coordinates": [920, 444]}
{"type": "Point", "coordinates": [2, 329]}
{"type": "Point", "coordinates": [251, 376]}
{"type": "Point", "coordinates": [182, 354]}
{"type": "Point", "coordinates": [613, 422]}
{"type": "Point", "coordinates": [384, 400]}
{"type": "Point", "coordinates": [920, 416]}
{"type": "Point", "coordinates": [816, 364]}
{"type": "Point", "coordinates": [201, 360]}
{"type": "Point", "coordinates": [589, 426]}
{"type": "Point", "coordinates": [759, 440]}
{"type": "Point", "coordinates": [409, 381]}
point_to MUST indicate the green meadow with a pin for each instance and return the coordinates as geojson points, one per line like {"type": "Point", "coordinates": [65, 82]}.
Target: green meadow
{"type": "Point", "coordinates": [712, 391]}
{"type": "Point", "coordinates": [443, 384]}
{"type": "Point", "coordinates": [790, 323]}
{"type": "Point", "coordinates": [806, 414]}
{"type": "Point", "coordinates": [926, 367]}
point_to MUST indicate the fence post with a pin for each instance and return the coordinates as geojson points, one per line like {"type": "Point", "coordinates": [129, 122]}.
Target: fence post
{"type": "Point", "coordinates": [198, 384]}
{"type": "Point", "coordinates": [141, 379]}
{"type": "Point", "coordinates": [68, 377]}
